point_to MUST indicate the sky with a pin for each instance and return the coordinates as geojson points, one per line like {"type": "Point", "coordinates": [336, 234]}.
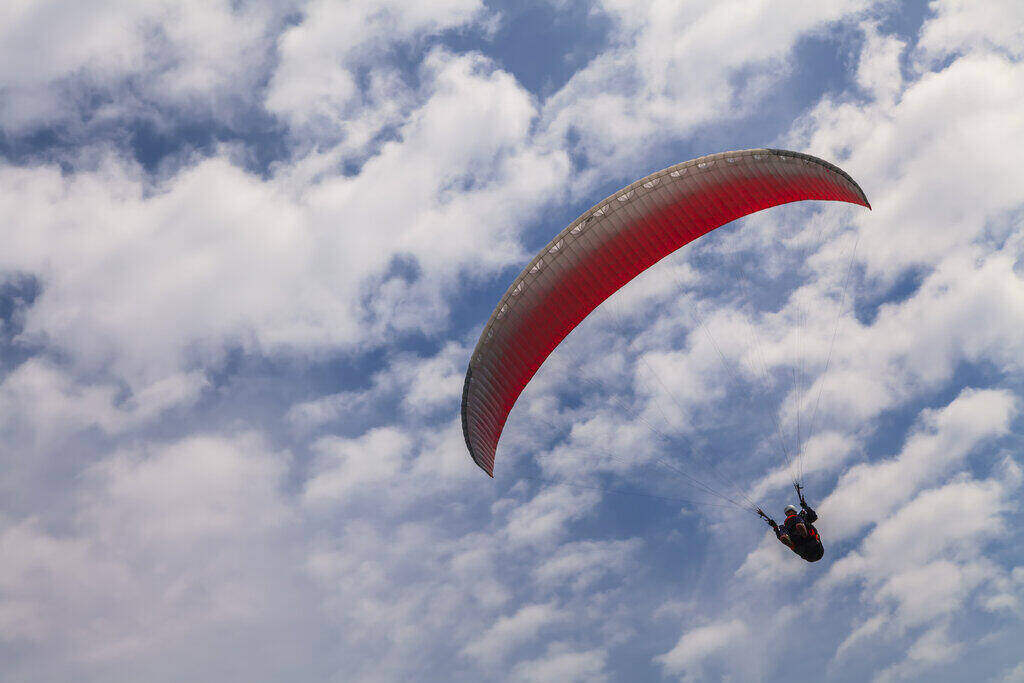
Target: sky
{"type": "Point", "coordinates": [248, 248]}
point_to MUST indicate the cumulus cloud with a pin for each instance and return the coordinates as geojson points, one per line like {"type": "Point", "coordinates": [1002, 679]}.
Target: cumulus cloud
{"type": "Point", "coordinates": [673, 67]}
{"type": "Point", "coordinates": [167, 546]}
{"type": "Point", "coordinates": [218, 258]}
{"type": "Point", "coordinates": [582, 563]}
{"type": "Point", "coordinates": [923, 566]}
{"type": "Point", "coordinates": [322, 59]}
{"type": "Point", "coordinates": [561, 663]}
{"type": "Point", "coordinates": [509, 632]}
{"type": "Point", "coordinates": [229, 410]}
{"type": "Point", "coordinates": [958, 27]}
{"type": "Point", "coordinates": [822, 452]}
{"type": "Point", "coordinates": [544, 518]}
{"type": "Point", "coordinates": [1014, 675]}
{"type": "Point", "coordinates": [871, 490]}
{"type": "Point", "coordinates": [701, 643]}
{"type": "Point", "coordinates": [933, 648]}
{"type": "Point", "coordinates": [43, 404]}
{"type": "Point", "coordinates": [418, 386]}
{"type": "Point", "coordinates": [89, 65]}
{"type": "Point", "coordinates": [345, 466]}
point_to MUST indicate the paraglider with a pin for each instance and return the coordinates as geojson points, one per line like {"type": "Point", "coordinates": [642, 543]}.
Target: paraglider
{"type": "Point", "coordinates": [797, 531]}
{"type": "Point", "coordinates": [609, 245]}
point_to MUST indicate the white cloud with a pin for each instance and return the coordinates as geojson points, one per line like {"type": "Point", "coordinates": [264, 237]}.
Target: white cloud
{"type": "Point", "coordinates": [922, 566]}
{"type": "Point", "coordinates": [378, 550]}
{"type": "Point", "coordinates": [960, 26]}
{"type": "Point", "coordinates": [37, 397]}
{"type": "Point", "coordinates": [546, 516]}
{"type": "Point", "coordinates": [675, 66]}
{"type": "Point", "coordinates": [420, 386]}
{"type": "Point", "coordinates": [583, 563]}
{"type": "Point", "coordinates": [878, 70]}
{"type": "Point", "coordinates": [1014, 675]}
{"type": "Point", "coordinates": [348, 466]}
{"type": "Point", "coordinates": [561, 663]}
{"type": "Point", "coordinates": [936, 521]}
{"type": "Point", "coordinates": [941, 179]}
{"type": "Point", "coordinates": [933, 648]}
{"type": "Point", "coordinates": [701, 643]}
{"type": "Point", "coordinates": [188, 493]}
{"type": "Point", "coordinates": [508, 633]}
{"type": "Point", "coordinates": [45, 402]}
{"type": "Point", "coordinates": [130, 59]}
{"type": "Point", "coordinates": [823, 452]}
{"type": "Point", "coordinates": [871, 627]}
{"type": "Point", "coordinates": [150, 281]}
{"type": "Point", "coordinates": [932, 590]}
{"type": "Point", "coordinates": [407, 596]}
{"type": "Point", "coordinates": [315, 87]}
{"type": "Point", "coordinates": [870, 491]}
{"type": "Point", "coordinates": [167, 547]}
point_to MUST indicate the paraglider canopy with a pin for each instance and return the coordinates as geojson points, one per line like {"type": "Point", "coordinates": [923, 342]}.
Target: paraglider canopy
{"type": "Point", "coordinates": [609, 245]}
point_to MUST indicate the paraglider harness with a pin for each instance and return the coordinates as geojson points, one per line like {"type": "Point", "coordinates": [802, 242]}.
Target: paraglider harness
{"type": "Point", "coordinates": [809, 548]}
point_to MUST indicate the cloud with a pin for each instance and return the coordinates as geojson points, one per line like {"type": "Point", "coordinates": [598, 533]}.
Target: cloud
{"type": "Point", "coordinates": [933, 648]}
{"type": "Point", "coordinates": [906, 151]}
{"type": "Point", "coordinates": [1014, 675]}
{"type": "Point", "coordinates": [698, 644]}
{"type": "Point", "coordinates": [418, 386]}
{"type": "Point", "coordinates": [923, 565]}
{"type": "Point", "coordinates": [583, 563]}
{"type": "Point", "coordinates": [44, 402]}
{"type": "Point", "coordinates": [347, 466]}
{"type": "Point", "coordinates": [85, 67]}
{"type": "Point", "coordinates": [229, 415]}
{"type": "Point", "coordinates": [869, 491]}
{"type": "Point", "coordinates": [217, 258]}
{"type": "Point", "coordinates": [546, 516]}
{"type": "Point", "coordinates": [961, 27]}
{"type": "Point", "coordinates": [674, 67]}
{"type": "Point", "coordinates": [936, 521]}
{"type": "Point", "coordinates": [507, 633]}
{"type": "Point", "coordinates": [823, 452]}
{"type": "Point", "coordinates": [167, 547]}
{"type": "Point", "coordinates": [316, 86]}
{"type": "Point", "coordinates": [563, 664]}
{"type": "Point", "coordinates": [200, 487]}
{"type": "Point", "coordinates": [862, 633]}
